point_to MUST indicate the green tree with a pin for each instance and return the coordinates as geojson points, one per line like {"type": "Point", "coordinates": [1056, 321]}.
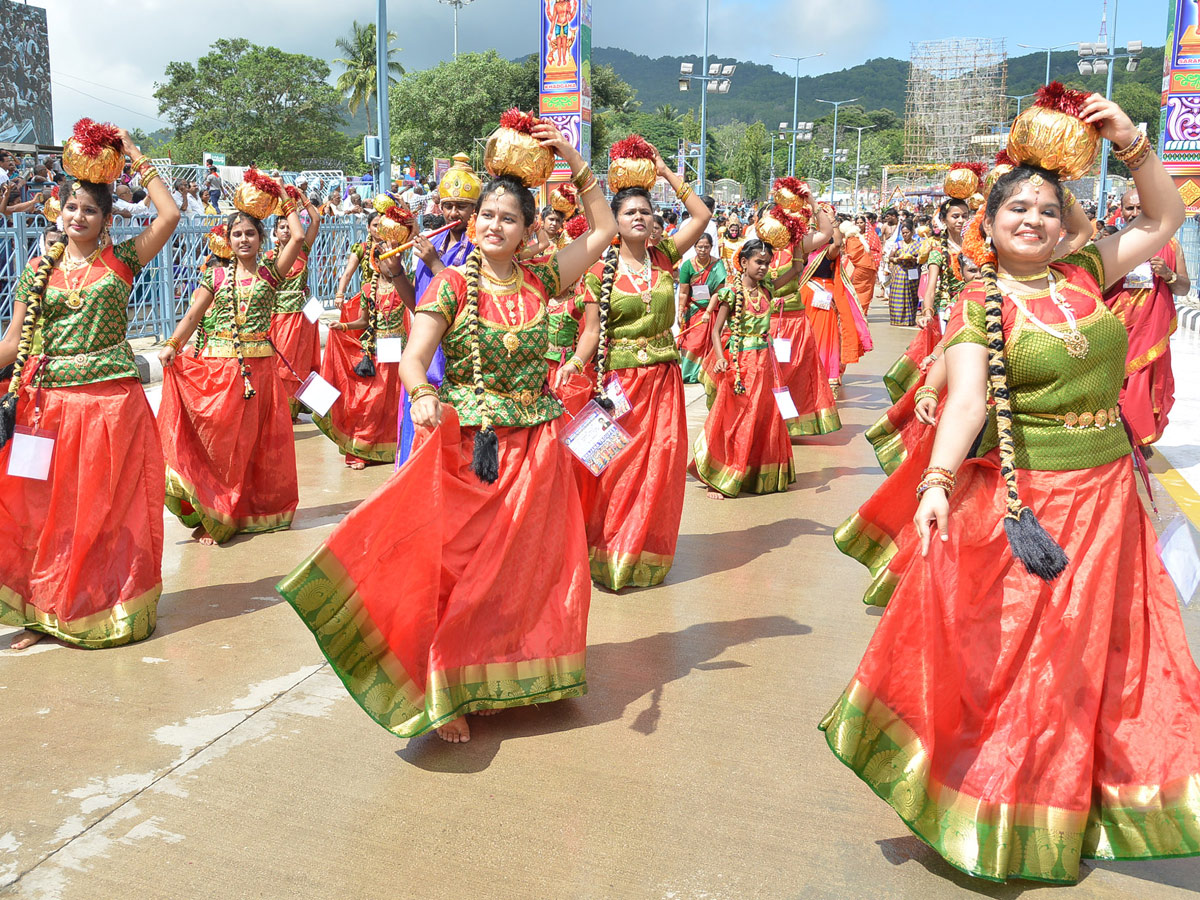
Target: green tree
{"type": "Point", "coordinates": [666, 112]}
{"type": "Point", "coordinates": [443, 110]}
{"type": "Point", "coordinates": [358, 83]}
{"type": "Point", "coordinates": [255, 104]}
{"type": "Point", "coordinates": [750, 161]}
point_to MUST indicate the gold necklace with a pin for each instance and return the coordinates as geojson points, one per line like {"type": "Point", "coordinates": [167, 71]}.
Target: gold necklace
{"type": "Point", "coordinates": [74, 296]}
{"type": "Point", "coordinates": [644, 283]}
{"type": "Point", "coordinates": [510, 281]}
{"type": "Point", "coordinates": [514, 315]}
{"type": "Point", "coordinates": [241, 301]}
{"type": "Point", "coordinates": [1045, 273]}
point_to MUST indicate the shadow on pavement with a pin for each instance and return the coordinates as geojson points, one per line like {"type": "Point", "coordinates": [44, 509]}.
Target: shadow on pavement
{"type": "Point", "coordinates": [180, 610]}
{"type": "Point", "coordinates": [619, 674]}
{"type": "Point", "coordinates": [698, 555]}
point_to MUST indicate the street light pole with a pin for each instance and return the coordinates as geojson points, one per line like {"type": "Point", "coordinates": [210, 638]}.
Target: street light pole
{"type": "Point", "coordinates": [384, 172]}
{"type": "Point", "coordinates": [858, 164]}
{"type": "Point", "coordinates": [795, 104]}
{"type": "Point", "coordinates": [457, 5]}
{"type": "Point", "coordinates": [772, 157]}
{"type": "Point", "coordinates": [1048, 50]}
{"type": "Point", "coordinates": [1018, 98]}
{"type": "Point", "coordinates": [704, 108]}
{"type": "Point", "coordinates": [833, 153]}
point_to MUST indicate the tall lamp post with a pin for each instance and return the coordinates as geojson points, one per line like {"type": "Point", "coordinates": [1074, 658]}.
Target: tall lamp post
{"type": "Point", "coordinates": [716, 81]}
{"type": "Point", "coordinates": [1018, 98]}
{"type": "Point", "coordinates": [384, 171]}
{"type": "Point", "coordinates": [457, 4]}
{"type": "Point", "coordinates": [836, 104]}
{"type": "Point", "coordinates": [858, 164]}
{"type": "Point", "coordinates": [795, 101]}
{"type": "Point", "coordinates": [1048, 50]}
{"type": "Point", "coordinates": [1097, 59]}
{"type": "Point", "coordinates": [802, 132]}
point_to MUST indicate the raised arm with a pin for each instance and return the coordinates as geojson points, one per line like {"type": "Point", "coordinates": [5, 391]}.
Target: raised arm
{"type": "Point", "coordinates": [291, 250]}
{"type": "Point", "coordinates": [314, 222]}
{"type": "Point", "coordinates": [575, 258]}
{"type": "Point", "coordinates": [344, 280]}
{"type": "Point", "coordinates": [155, 235]}
{"type": "Point", "coordinates": [820, 234]}
{"type": "Point", "coordinates": [1162, 207]}
{"type": "Point", "coordinates": [689, 232]}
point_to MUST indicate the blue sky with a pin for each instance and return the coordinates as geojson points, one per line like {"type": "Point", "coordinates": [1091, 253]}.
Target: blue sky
{"type": "Point", "coordinates": [114, 50]}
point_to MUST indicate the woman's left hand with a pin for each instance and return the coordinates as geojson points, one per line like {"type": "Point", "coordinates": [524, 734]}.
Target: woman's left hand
{"type": "Point", "coordinates": [128, 147]}
{"type": "Point", "coordinates": [1110, 120]}
{"type": "Point", "coordinates": [547, 134]}
{"type": "Point", "coordinates": [660, 166]}
{"type": "Point", "coordinates": [722, 365]}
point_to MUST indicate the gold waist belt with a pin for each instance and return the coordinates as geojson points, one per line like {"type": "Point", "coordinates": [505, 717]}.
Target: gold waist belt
{"type": "Point", "coordinates": [1101, 418]}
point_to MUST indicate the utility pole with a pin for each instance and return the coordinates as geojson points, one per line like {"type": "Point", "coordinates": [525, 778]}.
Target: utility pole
{"type": "Point", "coordinates": [836, 104]}
{"type": "Point", "coordinates": [384, 172]}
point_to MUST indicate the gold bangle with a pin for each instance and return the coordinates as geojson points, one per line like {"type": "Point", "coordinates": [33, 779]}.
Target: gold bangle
{"type": "Point", "coordinates": [684, 192]}
{"type": "Point", "coordinates": [1134, 147]}
{"type": "Point", "coordinates": [579, 179]}
{"type": "Point", "coordinates": [576, 362]}
{"type": "Point", "coordinates": [148, 177]}
{"type": "Point", "coordinates": [1068, 199]}
{"type": "Point", "coordinates": [288, 207]}
{"type": "Point", "coordinates": [593, 183]}
{"type": "Point", "coordinates": [925, 391]}
{"type": "Point", "coordinates": [423, 390]}
{"type": "Point", "coordinates": [172, 342]}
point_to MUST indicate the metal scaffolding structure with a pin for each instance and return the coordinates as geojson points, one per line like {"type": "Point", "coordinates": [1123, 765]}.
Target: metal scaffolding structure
{"type": "Point", "coordinates": [956, 92]}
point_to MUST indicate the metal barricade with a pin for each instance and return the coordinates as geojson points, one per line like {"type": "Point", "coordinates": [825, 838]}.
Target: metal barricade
{"type": "Point", "coordinates": [163, 289]}
{"type": "Point", "coordinates": [1189, 239]}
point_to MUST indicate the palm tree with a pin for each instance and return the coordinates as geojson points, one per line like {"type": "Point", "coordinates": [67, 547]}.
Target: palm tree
{"type": "Point", "coordinates": [358, 83]}
{"type": "Point", "coordinates": [666, 112]}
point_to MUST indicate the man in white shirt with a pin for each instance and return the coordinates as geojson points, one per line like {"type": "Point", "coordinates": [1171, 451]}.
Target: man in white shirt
{"type": "Point", "coordinates": [124, 206]}
{"type": "Point", "coordinates": [185, 197]}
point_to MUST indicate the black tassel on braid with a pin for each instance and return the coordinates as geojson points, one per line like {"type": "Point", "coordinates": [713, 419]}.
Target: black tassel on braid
{"type": "Point", "coordinates": [485, 460]}
{"type": "Point", "coordinates": [1030, 542]}
{"type": "Point", "coordinates": [365, 367]}
{"type": "Point", "coordinates": [736, 325]}
{"type": "Point", "coordinates": [605, 301]}
{"type": "Point", "coordinates": [236, 329]}
{"type": "Point", "coordinates": [33, 306]}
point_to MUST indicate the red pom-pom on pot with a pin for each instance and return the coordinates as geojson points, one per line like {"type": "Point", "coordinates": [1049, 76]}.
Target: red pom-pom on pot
{"type": "Point", "coordinates": [631, 164]}
{"type": "Point", "coordinates": [576, 226]}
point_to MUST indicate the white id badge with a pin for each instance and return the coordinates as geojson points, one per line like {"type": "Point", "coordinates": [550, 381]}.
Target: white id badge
{"type": "Point", "coordinates": [594, 438]}
{"type": "Point", "coordinates": [313, 309]}
{"type": "Point", "coordinates": [787, 407]}
{"type": "Point", "coordinates": [700, 292]}
{"type": "Point", "coordinates": [1140, 277]}
{"type": "Point", "coordinates": [914, 274]}
{"type": "Point", "coordinates": [783, 349]}
{"type": "Point", "coordinates": [388, 349]}
{"type": "Point", "coordinates": [31, 453]}
{"type": "Point", "coordinates": [317, 394]}
{"type": "Point", "coordinates": [821, 298]}
{"type": "Point", "coordinates": [614, 392]}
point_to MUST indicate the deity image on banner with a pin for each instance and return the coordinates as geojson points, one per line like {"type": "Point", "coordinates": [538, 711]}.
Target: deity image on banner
{"type": "Point", "coordinates": [560, 61]}
{"type": "Point", "coordinates": [1189, 41]}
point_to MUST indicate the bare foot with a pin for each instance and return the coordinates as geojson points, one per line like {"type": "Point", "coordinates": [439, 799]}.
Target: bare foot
{"type": "Point", "coordinates": [714, 494]}
{"type": "Point", "coordinates": [25, 639]}
{"type": "Point", "coordinates": [358, 465]}
{"type": "Point", "coordinates": [456, 732]}
{"type": "Point", "coordinates": [486, 712]}
{"type": "Point", "coordinates": [203, 537]}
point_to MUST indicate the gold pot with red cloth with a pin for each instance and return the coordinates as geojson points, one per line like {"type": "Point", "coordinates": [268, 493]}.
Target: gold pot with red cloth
{"type": "Point", "coordinates": [1052, 135]}
{"type": "Point", "coordinates": [779, 228]}
{"type": "Point", "coordinates": [257, 195]}
{"type": "Point", "coordinates": [963, 180]}
{"type": "Point", "coordinates": [512, 150]}
{"type": "Point", "coordinates": [396, 224]}
{"type": "Point", "coordinates": [631, 164]}
{"type": "Point", "coordinates": [93, 153]}
{"type": "Point", "coordinates": [792, 194]}
{"type": "Point", "coordinates": [564, 199]}
{"type": "Point", "coordinates": [218, 242]}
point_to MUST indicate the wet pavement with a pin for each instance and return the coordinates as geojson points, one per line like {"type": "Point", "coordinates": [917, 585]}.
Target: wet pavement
{"type": "Point", "coordinates": [222, 759]}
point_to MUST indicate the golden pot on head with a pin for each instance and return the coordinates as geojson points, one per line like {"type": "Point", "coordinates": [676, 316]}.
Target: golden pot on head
{"type": "Point", "coordinates": [511, 152]}
{"type": "Point", "coordinates": [993, 176]}
{"type": "Point", "coordinates": [1055, 141]}
{"type": "Point", "coordinates": [219, 246]}
{"type": "Point", "coordinates": [51, 210]}
{"type": "Point", "coordinates": [382, 203]}
{"type": "Point", "coordinates": [392, 231]}
{"type": "Point", "coordinates": [960, 183]}
{"type": "Point", "coordinates": [789, 200]}
{"type": "Point", "coordinates": [253, 201]}
{"type": "Point", "coordinates": [103, 168]}
{"type": "Point", "coordinates": [560, 202]}
{"type": "Point", "coordinates": [975, 201]}
{"type": "Point", "coordinates": [772, 230]}
{"type": "Point", "coordinates": [626, 172]}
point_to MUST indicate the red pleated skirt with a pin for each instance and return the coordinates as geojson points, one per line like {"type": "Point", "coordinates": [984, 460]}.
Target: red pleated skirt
{"type": "Point", "coordinates": [231, 462]}
{"type": "Point", "coordinates": [898, 431]}
{"type": "Point", "coordinates": [362, 421]}
{"type": "Point", "coordinates": [907, 369]}
{"type": "Point", "coordinates": [695, 343]}
{"type": "Point", "coordinates": [299, 341]}
{"type": "Point", "coordinates": [744, 445]}
{"type": "Point", "coordinates": [828, 337]}
{"type": "Point", "coordinates": [440, 595]}
{"type": "Point", "coordinates": [634, 507]}
{"type": "Point", "coordinates": [1147, 397]}
{"type": "Point", "coordinates": [806, 378]}
{"type": "Point", "coordinates": [81, 553]}
{"type": "Point", "coordinates": [1017, 726]}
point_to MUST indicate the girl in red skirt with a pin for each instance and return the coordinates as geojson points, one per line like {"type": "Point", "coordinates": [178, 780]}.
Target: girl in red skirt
{"type": "Point", "coordinates": [81, 547]}
{"type": "Point", "coordinates": [294, 337]}
{"type": "Point", "coordinates": [224, 419]}
{"type": "Point", "coordinates": [362, 421]}
{"type": "Point", "coordinates": [744, 445]}
{"type": "Point", "coordinates": [1029, 699]}
{"type": "Point", "coordinates": [461, 585]}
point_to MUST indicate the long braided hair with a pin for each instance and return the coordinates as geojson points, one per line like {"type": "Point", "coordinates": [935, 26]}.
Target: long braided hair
{"type": "Point", "coordinates": [33, 307]}
{"type": "Point", "coordinates": [737, 307]}
{"type": "Point", "coordinates": [604, 301]}
{"type": "Point", "coordinates": [1031, 543]}
{"type": "Point", "coordinates": [365, 367]}
{"type": "Point", "coordinates": [235, 327]}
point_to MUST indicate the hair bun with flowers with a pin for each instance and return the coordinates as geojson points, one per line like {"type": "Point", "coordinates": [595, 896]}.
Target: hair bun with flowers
{"type": "Point", "coordinates": [975, 245]}
{"type": "Point", "coordinates": [93, 153]}
{"type": "Point", "coordinates": [512, 150]}
{"type": "Point", "coordinates": [1052, 135]}
{"type": "Point", "coordinates": [631, 164]}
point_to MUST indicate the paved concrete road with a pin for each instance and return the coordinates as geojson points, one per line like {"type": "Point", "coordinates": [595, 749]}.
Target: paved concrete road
{"type": "Point", "coordinates": [222, 759]}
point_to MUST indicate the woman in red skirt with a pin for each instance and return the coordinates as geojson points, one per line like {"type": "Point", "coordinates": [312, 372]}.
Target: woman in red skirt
{"type": "Point", "coordinates": [634, 507]}
{"type": "Point", "coordinates": [360, 251]}
{"type": "Point", "coordinates": [224, 419]}
{"type": "Point", "coordinates": [362, 421]}
{"type": "Point", "coordinates": [461, 585]}
{"type": "Point", "coordinates": [744, 445]}
{"type": "Point", "coordinates": [295, 339]}
{"type": "Point", "coordinates": [700, 278]}
{"type": "Point", "coordinates": [1029, 698]}
{"type": "Point", "coordinates": [81, 545]}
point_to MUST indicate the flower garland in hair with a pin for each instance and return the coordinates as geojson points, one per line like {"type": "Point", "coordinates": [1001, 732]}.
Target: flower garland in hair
{"type": "Point", "coordinates": [485, 459]}
{"type": "Point", "coordinates": [975, 245]}
{"type": "Point", "coordinates": [365, 367]}
{"type": "Point", "coordinates": [736, 314]}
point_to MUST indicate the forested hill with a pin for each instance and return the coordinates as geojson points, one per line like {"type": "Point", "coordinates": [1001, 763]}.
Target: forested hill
{"type": "Point", "coordinates": [762, 93]}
